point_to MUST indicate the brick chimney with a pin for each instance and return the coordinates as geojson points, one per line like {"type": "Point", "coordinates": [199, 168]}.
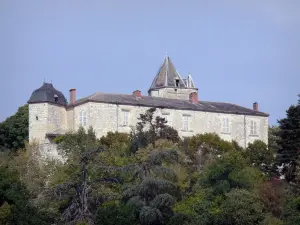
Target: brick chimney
{"type": "Point", "coordinates": [72, 96]}
{"type": "Point", "coordinates": [255, 106]}
{"type": "Point", "coordinates": [194, 98]}
{"type": "Point", "coordinates": [137, 93]}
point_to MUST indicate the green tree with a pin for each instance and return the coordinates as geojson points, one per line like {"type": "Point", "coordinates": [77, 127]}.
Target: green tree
{"type": "Point", "coordinates": [274, 139]}
{"type": "Point", "coordinates": [231, 170]}
{"type": "Point", "coordinates": [116, 214]}
{"type": "Point", "coordinates": [241, 207]}
{"type": "Point", "coordinates": [15, 207]}
{"type": "Point", "coordinates": [291, 213]}
{"type": "Point", "coordinates": [260, 155]}
{"type": "Point", "coordinates": [115, 140]}
{"type": "Point", "coordinates": [153, 192]}
{"type": "Point", "coordinates": [150, 129]}
{"type": "Point", "coordinates": [14, 130]}
{"type": "Point", "coordinates": [75, 185]}
{"type": "Point", "coordinates": [289, 142]}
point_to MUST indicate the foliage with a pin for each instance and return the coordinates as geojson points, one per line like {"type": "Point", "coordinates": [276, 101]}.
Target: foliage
{"type": "Point", "coordinates": [115, 139]}
{"type": "Point", "coordinates": [230, 171]}
{"type": "Point", "coordinates": [151, 177]}
{"type": "Point", "coordinates": [74, 186]}
{"type": "Point", "coordinates": [292, 210]}
{"type": "Point", "coordinates": [211, 139]}
{"type": "Point", "coordinates": [14, 199]}
{"type": "Point", "coordinates": [289, 142]}
{"type": "Point", "coordinates": [186, 206]}
{"type": "Point", "coordinates": [271, 194]}
{"type": "Point", "coordinates": [260, 155]}
{"type": "Point", "coordinates": [149, 129]}
{"type": "Point", "coordinates": [241, 207]}
{"type": "Point", "coordinates": [14, 130]}
{"type": "Point", "coordinates": [274, 138]}
{"type": "Point", "coordinates": [116, 214]}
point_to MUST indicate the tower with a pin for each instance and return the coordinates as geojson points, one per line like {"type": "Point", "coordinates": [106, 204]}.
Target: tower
{"type": "Point", "coordinates": [169, 84]}
{"type": "Point", "coordinates": [47, 114]}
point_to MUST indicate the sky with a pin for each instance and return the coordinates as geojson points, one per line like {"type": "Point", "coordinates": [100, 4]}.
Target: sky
{"type": "Point", "coordinates": [236, 51]}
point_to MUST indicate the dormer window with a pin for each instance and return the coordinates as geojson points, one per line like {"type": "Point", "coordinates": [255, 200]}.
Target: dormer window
{"type": "Point", "coordinates": [56, 98]}
{"type": "Point", "coordinates": [177, 82]}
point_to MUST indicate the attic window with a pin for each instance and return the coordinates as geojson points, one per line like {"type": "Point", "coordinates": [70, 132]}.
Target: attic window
{"type": "Point", "coordinates": [177, 82]}
{"type": "Point", "coordinates": [55, 98]}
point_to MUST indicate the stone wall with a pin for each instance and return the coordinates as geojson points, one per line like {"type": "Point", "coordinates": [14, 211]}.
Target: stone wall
{"type": "Point", "coordinates": [46, 118]}
{"type": "Point", "coordinates": [110, 117]}
{"type": "Point", "coordinates": [57, 119]}
{"type": "Point", "coordinates": [38, 121]}
{"type": "Point", "coordinates": [174, 93]}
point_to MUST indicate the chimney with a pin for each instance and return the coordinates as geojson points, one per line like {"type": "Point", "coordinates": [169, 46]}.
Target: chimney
{"type": "Point", "coordinates": [137, 93]}
{"type": "Point", "coordinates": [255, 106]}
{"type": "Point", "coordinates": [72, 96]}
{"type": "Point", "coordinates": [194, 98]}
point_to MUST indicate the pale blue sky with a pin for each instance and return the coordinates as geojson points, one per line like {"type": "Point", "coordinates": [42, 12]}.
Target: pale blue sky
{"type": "Point", "coordinates": [237, 51]}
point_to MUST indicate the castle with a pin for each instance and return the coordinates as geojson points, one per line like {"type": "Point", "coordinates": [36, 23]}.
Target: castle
{"type": "Point", "coordinates": [175, 98]}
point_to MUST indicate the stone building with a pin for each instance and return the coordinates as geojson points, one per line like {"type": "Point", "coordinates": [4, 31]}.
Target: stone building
{"type": "Point", "coordinates": [175, 98]}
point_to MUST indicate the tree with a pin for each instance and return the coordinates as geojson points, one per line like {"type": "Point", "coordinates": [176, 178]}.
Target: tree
{"type": "Point", "coordinates": [15, 207]}
{"type": "Point", "coordinates": [14, 130]}
{"type": "Point", "coordinates": [116, 214]}
{"type": "Point", "coordinates": [241, 207]}
{"type": "Point", "coordinates": [274, 139]}
{"type": "Point", "coordinates": [260, 155]}
{"type": "Point", "coordinates": [74, 184]}
{"type": "Point", "coordinates": [115, 139]}
{"type": "Point", "coordinates": [150, 129]}
{"type": "Point", "coordinates": [154, 192]}
{"type": "Point", "coordinates": [289, 142]}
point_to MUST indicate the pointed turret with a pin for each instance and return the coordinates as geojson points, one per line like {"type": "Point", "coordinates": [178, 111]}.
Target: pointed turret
{"type": "Point", "coordinates": [168, 83]}
{"type": "Point", "coordinates": [167, 76]}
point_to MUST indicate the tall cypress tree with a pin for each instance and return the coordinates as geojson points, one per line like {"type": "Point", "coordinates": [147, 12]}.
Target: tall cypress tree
{"type": "Point", "coordinates": [290, 141]}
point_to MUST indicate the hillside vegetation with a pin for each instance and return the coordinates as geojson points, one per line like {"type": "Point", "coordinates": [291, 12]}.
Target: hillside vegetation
{"type": "Point", "coordinates": [151, 177]}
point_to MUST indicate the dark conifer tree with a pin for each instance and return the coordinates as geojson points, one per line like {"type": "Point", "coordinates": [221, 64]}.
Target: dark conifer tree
{"type": "Point", "coordinates": [289, 142]}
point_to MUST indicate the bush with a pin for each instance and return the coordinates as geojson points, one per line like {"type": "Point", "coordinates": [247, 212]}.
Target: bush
{"type": "Point", "coordinates": [211, 139]}
{"type": "Point", "coordinates": [259, 153]}
{"type": "Point", "coordinates": [116, 214]}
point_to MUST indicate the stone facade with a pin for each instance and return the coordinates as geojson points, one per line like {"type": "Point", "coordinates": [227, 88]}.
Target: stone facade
{"type": "Point", "coordinates": [45, 118]}
{"type": "Point", "coordinates": [174, 93]}
{"type": "Point", "coordinates": [105, 117]}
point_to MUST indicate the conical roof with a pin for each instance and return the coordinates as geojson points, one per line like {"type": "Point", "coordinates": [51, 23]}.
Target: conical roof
{"type": "Point", "coordinates": [47, 93]}
{"type": "Point", "coordinates": [167, 76]}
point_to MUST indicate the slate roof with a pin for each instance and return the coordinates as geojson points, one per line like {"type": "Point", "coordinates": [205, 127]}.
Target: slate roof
{"type": "Point", "coordinates": [47, 93]}
{"type": "Point", "coordinates": [158, 102]}
{"type": "Point", "coordinates": [166, 76]}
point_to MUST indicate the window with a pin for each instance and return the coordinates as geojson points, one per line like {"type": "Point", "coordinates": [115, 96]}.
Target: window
{"type": "Point", "coordinates": [83, 118]}
{"type": "Point", "coordinates": [177, 82]}
{"type": "Point", "coordinates": [55, 98]}
{"type": "Point", "coordinates": [225, 126]}
{"type": "Point", "coordinates": [253, 127]}
{"type": "Point", "coordinates": [185, 121]}
{"type": "Point", "coordinates": [125, 118]}
{"type": "Point", "coordinates": [167, 118]}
